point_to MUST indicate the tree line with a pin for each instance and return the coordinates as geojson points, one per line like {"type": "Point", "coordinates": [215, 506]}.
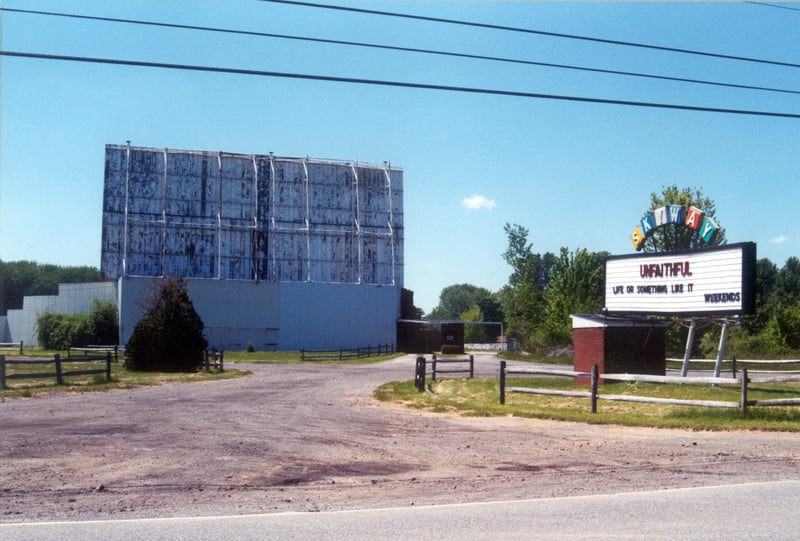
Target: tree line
{"type": "Point", "coordinates": [26, 278]}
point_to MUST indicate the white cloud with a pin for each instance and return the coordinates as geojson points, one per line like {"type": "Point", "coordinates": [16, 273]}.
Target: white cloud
{"type": "Point", "coordinates": [478, 202]}
{"type": "Point", "coordinates": [779, 239]}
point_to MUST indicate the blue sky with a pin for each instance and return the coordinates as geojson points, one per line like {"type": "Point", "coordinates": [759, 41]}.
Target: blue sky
{"type": "Point", "coordinates": [575, 174]}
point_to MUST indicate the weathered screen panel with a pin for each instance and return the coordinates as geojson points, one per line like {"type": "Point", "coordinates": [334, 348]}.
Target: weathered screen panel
{"type": "Point", "coordinates": [247, 217]}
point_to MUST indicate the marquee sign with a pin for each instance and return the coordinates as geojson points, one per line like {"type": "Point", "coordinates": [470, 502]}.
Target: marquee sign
{"type": "Point", "coordinates": [708, 281]}
{"type": "Point", "coordinates": [693, 218]}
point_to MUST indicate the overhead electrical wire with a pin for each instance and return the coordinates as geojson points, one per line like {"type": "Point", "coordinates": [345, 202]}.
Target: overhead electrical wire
{"type": "Point", "coordinates": [402, 49]}
{"type": "Point", "coordinates": [778, 6]}
{"type": "Point", "coordinates": [398, 84]}
{"type": "Point", "coordinates": [536, 32]}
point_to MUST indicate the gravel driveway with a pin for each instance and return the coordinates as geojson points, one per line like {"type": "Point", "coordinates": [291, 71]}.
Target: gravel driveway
{"type": "Point", "coordinates": [311, 438]}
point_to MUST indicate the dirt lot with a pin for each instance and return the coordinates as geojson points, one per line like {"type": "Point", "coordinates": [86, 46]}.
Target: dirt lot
{"type": "Point", "coordinates": [310, 438]}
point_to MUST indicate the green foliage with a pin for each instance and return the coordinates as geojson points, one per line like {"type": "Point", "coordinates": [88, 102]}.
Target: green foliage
{"type": "Point", "coordinates": [169, 337]}
{"type": "Point", "coordinates": [62, 331]}
{"type": "Point", "coordinates": [459, 298]}
{"type": "Point", "coordinates": [522, 299]}
{"type": "Point", "coordinates": [672, 238]}
{"type": "Point", "coordinates": [575, 287]}
{"type": "Point", "coordinates": [470, 303]}
{"type": "Point", "coordinates": [543, 290]}
{"type": "Point", "coordinates": [784, 327]}
{"type": "Point", "coordinates": [451, 349]}
{"type": "Point", "coordinates": [21, 278]}
{"type": "Point", "coordinates": [787, 282]}
{"type": "Point", "coordinates": [104, 322]}
{"type": "Point", "coordinates": [473, 333]}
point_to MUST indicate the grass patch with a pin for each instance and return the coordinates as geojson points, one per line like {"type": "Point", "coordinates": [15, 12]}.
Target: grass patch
{"type": "Point", "coordinates": [480, 398]}
{"type": "Point", "coordinates": [121, 378]}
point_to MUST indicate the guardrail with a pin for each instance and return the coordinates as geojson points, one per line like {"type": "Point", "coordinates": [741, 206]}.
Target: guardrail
{"type": "Point", "coordinates": [59, 373]}
{"type": "Point", "coordinates": [743, 381]}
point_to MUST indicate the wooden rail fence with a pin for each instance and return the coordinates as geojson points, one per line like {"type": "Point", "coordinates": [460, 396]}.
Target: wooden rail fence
{"type": "Point", "coordinates": [96, 349]}
{"type": "Point", "coordinates": [344, 353]}
{"type": "Point", "coordinates": [14, 346]}
{"type": "Point", "coordinates": [743, 380]}
{"type": "Point", "coordinates": [449, 361]}
{"type": "Point", "coordinates": [731, 365]}
{"type": "Point", "coordinates": [59, 372]}
{"type": "Point", "coordinates": [421, 369]}
{"type": "Point", "coordinates": [214, 359]}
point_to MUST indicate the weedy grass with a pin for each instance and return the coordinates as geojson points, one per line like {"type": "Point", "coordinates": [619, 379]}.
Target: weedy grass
{"type": "Point", "coordinates": [480, 398]}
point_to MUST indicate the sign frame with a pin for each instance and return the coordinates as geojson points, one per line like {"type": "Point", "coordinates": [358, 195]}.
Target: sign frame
{"type": "Point", "coordinates": [716, 281]}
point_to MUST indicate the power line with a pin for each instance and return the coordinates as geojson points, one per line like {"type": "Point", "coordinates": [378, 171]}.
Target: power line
{"type": "Point", "coordinates": [402, 49]}
{"type": "Point", "coordinates": [778, 6]}
{"type": "Point", "coordinates": [399, 84]}
{"type": "Point", "coordinates": [536, 32]}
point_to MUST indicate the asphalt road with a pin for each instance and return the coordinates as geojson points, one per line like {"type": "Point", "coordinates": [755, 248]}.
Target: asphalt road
{"type": "Point", "coordinates": [749, 511]}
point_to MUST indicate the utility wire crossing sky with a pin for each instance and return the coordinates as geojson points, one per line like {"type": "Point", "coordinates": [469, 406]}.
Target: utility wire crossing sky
{"type": "Point", "coordinates": [563, 118]}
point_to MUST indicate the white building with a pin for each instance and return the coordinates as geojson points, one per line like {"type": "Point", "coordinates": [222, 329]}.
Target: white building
{"type": "Point", "coordinates": [20, 325]}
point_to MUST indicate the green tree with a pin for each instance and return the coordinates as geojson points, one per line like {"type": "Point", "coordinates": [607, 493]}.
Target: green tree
{"type": "Point", "coordinates": [522, 298]}
{"type": "Point", "coordinates": [458, 298]}
{"type": "Point", "coordinates": [575, 287]}
{"type": "Point", "coordinates": [784, 327]}
{"type": "Point", "coordinates": [169, 336]}
{"type": "Point", "coordinates": [473, 333]}
{"type": "Point", "coordinates": [104, 322]}
{"type": "Point", "coordinates": [671, 237]}
{"type": "Point", "coordinates": [767, 296]}
{"type": "Point", "coordinates": [478, 303]}
{"type": "Point", "coordinates": [787, 282]}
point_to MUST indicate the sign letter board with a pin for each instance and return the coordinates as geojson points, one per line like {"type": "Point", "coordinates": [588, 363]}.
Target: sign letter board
{"type": "Point", "coordinates": [704, 282]}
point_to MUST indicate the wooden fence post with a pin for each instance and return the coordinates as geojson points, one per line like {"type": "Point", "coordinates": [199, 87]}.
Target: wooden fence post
{"type": "Point", "coordinates": [594, 388]}
{"type": "Point", "coordinates": [419, 374]}
{"type": "Point", "coordinates": [2, 372]}
{"type": "Point", "coordinates": [502, 382]}
{"type": "Point", "coordinates": [744, 391]}
{"type": "Point", "coordinates": [59, 376]}
{"type": "Point", "coordinates": [733, 366]}
{"type": "Point", "coordinates": [340, 354]}
{"type": "Point", "coordinates": [108, 366]}
{"type": "Point", "coordinates": [471, 367]}
{"type": "Point", "coordinates": [221, 360]}
{"type": "Point", "coordinates": [20, 347]}
{"type": "Point", "coordinates": [433, 368]}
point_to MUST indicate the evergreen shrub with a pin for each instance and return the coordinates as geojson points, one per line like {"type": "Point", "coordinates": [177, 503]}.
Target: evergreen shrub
{"type": "Point", "coordinates": [169, 336]}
